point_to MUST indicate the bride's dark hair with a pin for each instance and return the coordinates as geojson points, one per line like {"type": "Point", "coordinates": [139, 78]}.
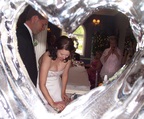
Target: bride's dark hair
{"type": "Point", "coordinates": [63, 42]}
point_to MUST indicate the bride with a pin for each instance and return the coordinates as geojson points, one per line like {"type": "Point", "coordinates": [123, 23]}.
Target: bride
{"type": "Point", "coordinates": [53, 73]}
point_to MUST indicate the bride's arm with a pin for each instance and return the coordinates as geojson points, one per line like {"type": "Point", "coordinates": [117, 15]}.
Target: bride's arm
{"type": "Point", "coordinates": [44, 68]}
{"type": "Point", "coordinates": [64, 81]}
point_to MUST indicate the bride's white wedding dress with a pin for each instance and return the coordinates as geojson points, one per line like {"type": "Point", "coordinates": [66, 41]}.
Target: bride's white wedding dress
{"type": "Point", "coordinates": [53, 85]}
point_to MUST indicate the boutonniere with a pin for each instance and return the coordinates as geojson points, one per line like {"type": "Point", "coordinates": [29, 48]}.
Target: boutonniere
{"type": "Point", "coordinates": [35, 42]}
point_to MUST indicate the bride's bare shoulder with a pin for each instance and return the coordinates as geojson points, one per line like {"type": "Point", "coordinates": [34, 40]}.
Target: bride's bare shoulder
{"type": "Point", "coordinates": [44, 57]}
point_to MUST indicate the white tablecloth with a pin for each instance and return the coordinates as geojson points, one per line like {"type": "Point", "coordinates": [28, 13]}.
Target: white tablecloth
{"type": "Point", "coordinates": [78, 81]}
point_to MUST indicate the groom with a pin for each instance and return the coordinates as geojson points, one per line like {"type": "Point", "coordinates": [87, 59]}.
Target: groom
{"type": "Point", "coordinates": [34, 24]}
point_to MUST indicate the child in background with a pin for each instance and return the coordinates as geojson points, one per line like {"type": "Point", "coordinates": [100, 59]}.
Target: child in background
{"type": "Point", "coordinates": [94, 67]}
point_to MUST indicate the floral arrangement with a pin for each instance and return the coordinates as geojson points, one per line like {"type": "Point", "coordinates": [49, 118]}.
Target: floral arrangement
{"type": "Point", "coordinates": [76, 43]}
{"type": "Point", "coordinates": [75, 40]}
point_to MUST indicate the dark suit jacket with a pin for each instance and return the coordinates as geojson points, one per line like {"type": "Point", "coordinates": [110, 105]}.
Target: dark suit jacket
{"type": "Point", "coordinates": [27, 53]}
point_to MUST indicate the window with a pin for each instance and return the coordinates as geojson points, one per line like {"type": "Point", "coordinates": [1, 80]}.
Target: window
{"type": "Point", "coordinates": [79, 33]}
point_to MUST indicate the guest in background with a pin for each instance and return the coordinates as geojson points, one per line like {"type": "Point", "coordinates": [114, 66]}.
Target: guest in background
{"type": "Point", "coordinates": [111, 59]}
{"type": "Point", "coordinates": [34, 24]}
{"type": "Point", "coordinates": [94, 70]}
{"type": "Point", "coordinates": [53, 74]}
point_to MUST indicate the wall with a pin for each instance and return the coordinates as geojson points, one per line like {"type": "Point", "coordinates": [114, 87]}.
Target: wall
{"type": "Point", "coordinates": [122, 24]}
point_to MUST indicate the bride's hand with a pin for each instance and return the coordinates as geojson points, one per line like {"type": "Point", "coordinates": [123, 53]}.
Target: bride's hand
{"type": "Point", "coordinates": [59, 106]}
{"type": "Point", "coordinates": [65, 98]}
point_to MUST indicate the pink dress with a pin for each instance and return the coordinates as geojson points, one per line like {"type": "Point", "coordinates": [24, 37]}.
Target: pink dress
{"type": "Point", "coordinates": [96, 66]}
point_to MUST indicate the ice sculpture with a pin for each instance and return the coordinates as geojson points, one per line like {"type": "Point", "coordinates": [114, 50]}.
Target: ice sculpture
{"type": "Point", "coordinates": [121, 98]}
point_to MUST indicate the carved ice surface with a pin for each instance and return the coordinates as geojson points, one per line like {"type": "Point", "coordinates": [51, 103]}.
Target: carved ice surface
{"type": "Point", "coordinates": [121, 98]}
